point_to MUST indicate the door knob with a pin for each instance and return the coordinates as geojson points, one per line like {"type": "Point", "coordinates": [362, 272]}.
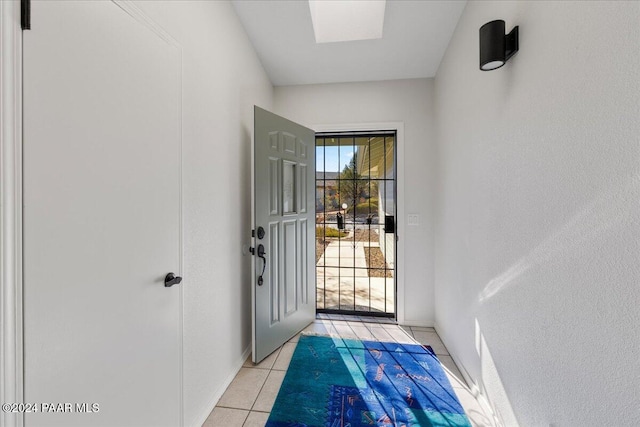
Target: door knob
{"type": "Point", "coordinates": [171, 279]}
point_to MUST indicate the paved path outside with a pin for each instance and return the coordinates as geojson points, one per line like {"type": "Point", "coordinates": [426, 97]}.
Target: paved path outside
{"type": "Point", "coordinates": [346, 285]}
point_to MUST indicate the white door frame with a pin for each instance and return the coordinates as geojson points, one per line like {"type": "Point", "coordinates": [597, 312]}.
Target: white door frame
{"type": "Point", "coordinates": [398, 127]}
{"type": "Point", "coordinates": [11, 370]}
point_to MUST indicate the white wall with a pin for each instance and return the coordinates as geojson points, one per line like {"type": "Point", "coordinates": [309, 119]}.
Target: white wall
{"type": "Point", "coordinates": [537, 276]}
{"type": "Point", "coordinates": [222, 80]}
{"type": "Point", "coordinates": [408, 101]}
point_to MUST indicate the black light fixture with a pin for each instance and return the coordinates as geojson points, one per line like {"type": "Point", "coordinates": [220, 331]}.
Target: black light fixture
{"type": "Point", "coordinates": [495, 47]}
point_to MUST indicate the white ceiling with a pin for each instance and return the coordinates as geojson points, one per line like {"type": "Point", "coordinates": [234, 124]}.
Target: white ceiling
{"type": "Point", "coordinates": [415, 36]}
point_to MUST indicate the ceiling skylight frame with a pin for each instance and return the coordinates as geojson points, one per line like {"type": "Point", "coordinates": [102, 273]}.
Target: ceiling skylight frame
{"type": "Point", "coordinates": [347, 20]}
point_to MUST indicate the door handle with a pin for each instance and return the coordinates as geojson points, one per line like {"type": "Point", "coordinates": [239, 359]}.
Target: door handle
{"type": "Point", "coordinates": [171, 279]}
{"type": "Point", "coordinates": [261, 254]}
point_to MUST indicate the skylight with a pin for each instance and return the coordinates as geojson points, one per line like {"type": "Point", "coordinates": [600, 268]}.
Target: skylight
{"type": "Point", "coordinates": [347, 20]}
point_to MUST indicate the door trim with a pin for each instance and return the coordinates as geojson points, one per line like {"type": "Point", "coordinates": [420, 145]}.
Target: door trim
{"type": "Point", "coordinates": [398, 127]}
{"type": "Point", "coordinates": [11, 371]}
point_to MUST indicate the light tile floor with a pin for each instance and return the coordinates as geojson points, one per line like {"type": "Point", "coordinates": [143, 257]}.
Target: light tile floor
{"type": "Point", "coordinates": [250, 397]}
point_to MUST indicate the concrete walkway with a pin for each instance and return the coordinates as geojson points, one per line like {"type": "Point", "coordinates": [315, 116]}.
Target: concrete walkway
{"type": "Point", "coordinates": [342, 269]}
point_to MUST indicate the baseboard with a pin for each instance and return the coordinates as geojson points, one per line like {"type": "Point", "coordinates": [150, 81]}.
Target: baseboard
{"type": "Point", "coordinates": [220, 391]}
{"type": "Point", "coordinates": [473, 388]}
{"type": "Point", "coordinates": [418, 323]}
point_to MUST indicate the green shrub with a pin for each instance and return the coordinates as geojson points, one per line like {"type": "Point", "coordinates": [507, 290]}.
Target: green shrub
{"type": "Point", "coordinates": [322, 232]}
{"type": "Point", "coordinates": [364, 208]}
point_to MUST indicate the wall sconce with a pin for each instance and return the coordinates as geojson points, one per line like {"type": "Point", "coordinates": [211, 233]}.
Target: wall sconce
{"type": "Point", "coordinates": [495, 47]}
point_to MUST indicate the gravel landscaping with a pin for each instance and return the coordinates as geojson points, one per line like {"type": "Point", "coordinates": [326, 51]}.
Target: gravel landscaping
{"type": "Point", "coordinates": [376, 262]}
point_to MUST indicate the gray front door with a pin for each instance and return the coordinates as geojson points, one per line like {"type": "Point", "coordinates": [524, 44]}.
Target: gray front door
{"type": "Point", "coordinates": [284, 275]}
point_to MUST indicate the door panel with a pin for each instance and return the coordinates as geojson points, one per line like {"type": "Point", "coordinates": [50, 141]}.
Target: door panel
{"type": "Point", "coordinates": [102, 216]}
{"type": "Point", "coordinates": [283, 190]}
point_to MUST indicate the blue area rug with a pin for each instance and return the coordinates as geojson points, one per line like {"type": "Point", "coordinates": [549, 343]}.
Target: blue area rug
{"type": "Point", "coordinates": [333, 382]}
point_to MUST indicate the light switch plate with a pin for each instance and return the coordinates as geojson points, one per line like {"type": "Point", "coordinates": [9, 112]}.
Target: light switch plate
{"type": "Point", "coordinates": [413, 219]}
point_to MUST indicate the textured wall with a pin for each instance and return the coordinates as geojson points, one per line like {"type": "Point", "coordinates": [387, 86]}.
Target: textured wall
{"type": "Point", "coordinates": [537, 275]}
{"type": "Point", "coordinates": [408, 101]}
{"type": "Point", "coordinates": [222, 80]}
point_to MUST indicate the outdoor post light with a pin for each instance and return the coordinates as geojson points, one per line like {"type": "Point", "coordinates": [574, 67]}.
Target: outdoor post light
{"type": "Point", "coordinates": [344, 216]}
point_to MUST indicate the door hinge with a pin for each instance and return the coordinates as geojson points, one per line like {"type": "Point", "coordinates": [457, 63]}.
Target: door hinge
{"type": "Point", "coordinates": [25, 14]}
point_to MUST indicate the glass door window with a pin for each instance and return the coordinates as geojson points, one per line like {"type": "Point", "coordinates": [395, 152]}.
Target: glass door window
{"type": "Point", "coordinates": [355, 223]}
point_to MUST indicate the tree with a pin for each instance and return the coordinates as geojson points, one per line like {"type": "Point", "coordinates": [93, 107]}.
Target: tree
{"type": "Point", "coordinates": [353, 189]}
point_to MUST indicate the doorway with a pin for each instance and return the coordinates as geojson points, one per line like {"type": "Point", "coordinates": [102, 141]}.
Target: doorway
{"type": "Point", "coordinates": [356, 223]}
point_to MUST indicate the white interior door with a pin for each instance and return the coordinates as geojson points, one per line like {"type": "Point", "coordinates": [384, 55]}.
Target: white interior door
{"type": "Point", "coordinates": [102, 222]}
{"type": "Point", "coordinates": [284, 298]}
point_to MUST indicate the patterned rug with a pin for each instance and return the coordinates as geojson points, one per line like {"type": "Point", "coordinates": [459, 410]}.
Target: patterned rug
{"type": "Point", "coordinates": [334, 382]}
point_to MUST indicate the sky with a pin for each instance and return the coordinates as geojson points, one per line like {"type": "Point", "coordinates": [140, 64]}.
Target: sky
{"type": "Point", "coordinates": [333, 158]}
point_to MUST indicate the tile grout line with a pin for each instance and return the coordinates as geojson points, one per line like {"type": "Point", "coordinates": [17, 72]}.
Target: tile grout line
{"type": "Point", "coordinates": [258, 395]}
{"type": "Point", "coordinates": [351, 329]}
{"type": "Point", "coordinates": [260, 391]}
{"type": "Point", "coordinates": [231, 407]}
{"type": "Point", "coordinates": [345, 323]}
